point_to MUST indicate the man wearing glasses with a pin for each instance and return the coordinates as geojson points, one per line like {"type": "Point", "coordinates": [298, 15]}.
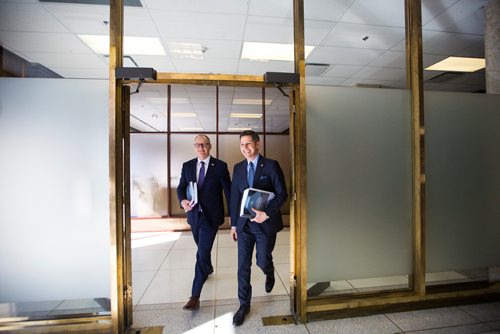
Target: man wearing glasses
{"type": "Point", "coordinates": [212, 178]}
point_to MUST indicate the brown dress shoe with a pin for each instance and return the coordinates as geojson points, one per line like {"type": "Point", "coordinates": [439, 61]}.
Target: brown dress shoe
{"type": "Point", "coordinates": [193, 304]}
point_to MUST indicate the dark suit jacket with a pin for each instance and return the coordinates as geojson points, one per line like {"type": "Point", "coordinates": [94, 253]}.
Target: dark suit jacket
{"type": "Point", "coordinates": [210, 195]}
{"type": "Point", "coordinates": [269, 177]}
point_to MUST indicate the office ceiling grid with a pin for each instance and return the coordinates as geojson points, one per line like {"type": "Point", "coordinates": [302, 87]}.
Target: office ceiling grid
{"type": "Point", "coordinates": [358, 42]}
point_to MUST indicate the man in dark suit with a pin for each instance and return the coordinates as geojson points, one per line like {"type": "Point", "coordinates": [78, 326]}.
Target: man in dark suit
{"type": "Point", "coordinates": [262, 173]}
{"type": "Point", "coordinates": [212, 177]}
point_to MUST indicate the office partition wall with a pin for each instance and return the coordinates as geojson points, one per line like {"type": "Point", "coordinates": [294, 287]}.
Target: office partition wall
{"type": "Point", "coordinates": [463, 186]}
{"type": "Point", "coordinates": [359, 188]}
{"type": "Point", "coordinates": [54, 214]}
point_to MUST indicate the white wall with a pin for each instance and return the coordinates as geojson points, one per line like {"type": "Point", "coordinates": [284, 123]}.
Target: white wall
{"type": "Point", "coordinates": [54, 213]}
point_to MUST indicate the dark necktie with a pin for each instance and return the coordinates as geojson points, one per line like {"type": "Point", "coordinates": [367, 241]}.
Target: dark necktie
{"type": "Point", "coordinates": [251, 174]}
{"type": "Point", "coordinates": [201, 176]}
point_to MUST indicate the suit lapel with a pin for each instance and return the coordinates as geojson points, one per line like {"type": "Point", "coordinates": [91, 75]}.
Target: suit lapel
{"type": "Point", "coordinates": [243, 173]}
{"type": "Point", "coordinates": [210, 169]}
{"type": "Point", "coordinates": [259, 170]}
{"type": "Point", "coordinates": [192, 169]}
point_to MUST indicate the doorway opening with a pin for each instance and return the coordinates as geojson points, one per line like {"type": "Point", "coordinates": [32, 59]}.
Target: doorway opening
{"type": "Point", "coordinates": [164, 119]}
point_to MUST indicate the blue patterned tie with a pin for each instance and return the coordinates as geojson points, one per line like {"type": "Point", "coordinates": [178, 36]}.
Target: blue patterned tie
{"type": "Point", "coordinates": [251, 174]}
{"type": "Point", "coordinates": [201, 177]}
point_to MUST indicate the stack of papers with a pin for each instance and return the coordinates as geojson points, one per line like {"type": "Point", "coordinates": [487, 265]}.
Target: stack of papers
{"type": "Point", "coordinates": [192, 193]}
{"type": "Point", "coordinates": [256, 199]}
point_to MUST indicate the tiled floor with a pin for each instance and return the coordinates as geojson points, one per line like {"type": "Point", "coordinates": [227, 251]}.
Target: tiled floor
{"type": "Point", "coordinates": [163, 265]}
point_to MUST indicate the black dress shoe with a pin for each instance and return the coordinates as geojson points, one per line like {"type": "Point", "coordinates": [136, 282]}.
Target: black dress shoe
{"type": "Point", "coordinates": [193, 304]}
{"type": "Point", "coordinates": [270, 282]}
{"type": "Point", "coordinates": [239, 316]}
{"type": "Point", "coordinates": [211, 271]}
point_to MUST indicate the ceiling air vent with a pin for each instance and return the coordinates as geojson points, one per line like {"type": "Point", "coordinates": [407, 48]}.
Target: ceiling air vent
{"type": "Point", "coordinates": [316, 69]}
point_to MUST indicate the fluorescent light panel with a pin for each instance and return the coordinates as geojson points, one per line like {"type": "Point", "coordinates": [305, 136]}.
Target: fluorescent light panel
{"type": "Point", "coordinates": [252, 101]}
{"type": "Point", "coordinates": [150, 46]}
{"type": "Point", "coordinates": [238, 129]}
{"type": "Point", "coordinates": [191, 129]}
{"type": "Point", "coordinates": [241, 115]}
{"type": "Point", "coordinates": [271, 51]}
{"type": "Point", "coordinates": [458, 64]}
{"type": "Point", "coordinates": [164, 100]}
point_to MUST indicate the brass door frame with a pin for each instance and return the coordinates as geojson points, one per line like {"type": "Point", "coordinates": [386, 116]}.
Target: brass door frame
{"type": "Point", "coordinates": [302, 307]}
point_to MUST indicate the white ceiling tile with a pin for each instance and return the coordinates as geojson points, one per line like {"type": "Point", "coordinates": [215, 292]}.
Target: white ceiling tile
{"type": "Point", "coordinates": [221, 49]}
{"type": "Point", "coordinates": [275, 8]}
{"type": "Point", "coordinates": [342, 71]}
{"type": "Point", "coordinates": [206, 6]}
{"type": "Point", "coordinates": [344, 56]}
{"type": "Point", "coordinates": [65, 60]}
{"type": "Point", "coordinates": [391, 59]}
{"type": "Point", "coordinates": [325, 9]}
{"type": "Point", "coordinates": [269, 29]}
{"type": "Point", "coordinates": [426, 35]}
{"type": "Point", "coordinates": [382, 74]}
{"type": "Point", "coordinates": [159, 63]}
{"type": "Point", "coordinates": [454, 14]}
{"type": "Point", "coordinates": [81, 19]}
{"type": "Point", "coordinates": [315, 31]}
{"type": "Point", "coordinates": [138, 22]}
{"type": "Point", "coordinates": [247, 93]}
{"type": "Point", "coordinates": [259, 68]}
{"type": "Point", "coordinates": [43, 42]}
{"type": "Point", "coordinates": [87, 73]}
{"type": "Point", "coordinates": [351, 35]}
{"type": "Point", "coordinates": [450, 43]}
{"type": "Point", "coordinates": [376, 12]}
{"type": "Point", "coordinates": [472, 24]}
{"type": "Point", "coordinates": [180, 25]}
{"type": "Point", "coordinates": [218, 66]}
{"type": "Point", "coordinates": [475, 50]}
{"type": "Point", "coordinates": [27, 17]}
{"type": "Point", "coordinates": [433, 8]}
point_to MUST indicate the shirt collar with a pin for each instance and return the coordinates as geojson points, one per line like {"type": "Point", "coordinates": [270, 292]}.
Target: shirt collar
{"type": "Point", "coordinates": [207, 160]}
{"type": "Point", "coordinates": [254, 161]}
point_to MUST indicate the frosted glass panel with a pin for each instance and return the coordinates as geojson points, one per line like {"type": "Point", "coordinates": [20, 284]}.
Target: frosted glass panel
{"type": "Point", "coordinates": [359, 183]}
{"type": "Point", "coordinates": [148, 175]}
{"type": "Point", "coordinates": [54, 214]}
{"type": "Point", "coordinates": [463, 181]}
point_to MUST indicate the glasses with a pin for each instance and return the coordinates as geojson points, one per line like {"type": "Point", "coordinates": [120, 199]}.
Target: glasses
{"type": "Point", "coordinates": [202, 145]}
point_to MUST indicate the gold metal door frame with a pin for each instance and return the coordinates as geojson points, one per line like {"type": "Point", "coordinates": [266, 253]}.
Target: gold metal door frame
{"type": "Point", "coordinates": [302, 307]}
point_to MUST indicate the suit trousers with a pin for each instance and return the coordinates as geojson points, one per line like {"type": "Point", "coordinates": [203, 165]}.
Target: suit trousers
{"type": "Point", "coordinates": [252, 235]}
{"type": "Point", "coordinates": [204, 235]}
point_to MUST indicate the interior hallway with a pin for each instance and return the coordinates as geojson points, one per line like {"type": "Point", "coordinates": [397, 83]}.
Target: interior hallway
{"type": "Point", "coordinates": [163, 265]}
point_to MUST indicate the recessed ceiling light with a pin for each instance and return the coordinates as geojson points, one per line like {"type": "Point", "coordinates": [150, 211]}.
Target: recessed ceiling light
{"type": "Point", "coordinates": [458, 64]}
{"type": "Point", "coordinates": [271, 51]}
{"type": "Point", "coordinates": [150, 46]}
{"type": "Point", "coordinates": [191, 129]}
{"type": "Point", "coordinates": [184, 114]}
{"type": "Point", "coordinates": [240, 115]}
{"type": "Point", "coordinates": [238, 129]}
{"type": "Point", "coordinates": [252, 101]}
